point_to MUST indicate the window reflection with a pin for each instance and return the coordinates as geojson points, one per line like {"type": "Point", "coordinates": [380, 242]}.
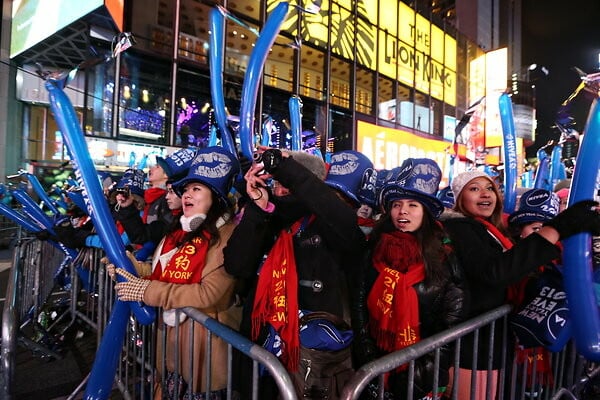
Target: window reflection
{"type": "Point", "coordinates": [144, 98]}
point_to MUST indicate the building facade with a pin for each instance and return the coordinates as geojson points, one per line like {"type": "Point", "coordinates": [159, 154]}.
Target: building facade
{"type": "Point", "coordinates": [384, 63]}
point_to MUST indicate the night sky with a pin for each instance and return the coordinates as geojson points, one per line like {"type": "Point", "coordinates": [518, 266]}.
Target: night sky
{"type": "Point", "coordinates": [560, 34]}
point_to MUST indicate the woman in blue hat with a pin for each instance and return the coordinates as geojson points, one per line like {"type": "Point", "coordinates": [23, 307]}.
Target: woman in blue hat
{"type": "Point", "coordinates": [536, 207]}
{"type": "Point", "coordinates": [187, 271]}
{"type": "Point", "coordinates": [414, 286]}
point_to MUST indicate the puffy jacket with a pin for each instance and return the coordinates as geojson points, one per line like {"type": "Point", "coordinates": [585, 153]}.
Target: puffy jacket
{"type": "Point", "coordinates": [441, 306]}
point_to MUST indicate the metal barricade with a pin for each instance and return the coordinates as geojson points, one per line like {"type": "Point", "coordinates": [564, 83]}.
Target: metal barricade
{"type": "Point", "coordinates": [136, 376]}
{"type": "Point", "coordinates": [31, 282]}
{"type": "Point", "coordinates": [570, 371]}
{"type": "Point", "coordinates": [10, 231]}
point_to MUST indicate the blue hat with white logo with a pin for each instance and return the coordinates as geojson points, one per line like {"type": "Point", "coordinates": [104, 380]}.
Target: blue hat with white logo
{"type": "Point", "coordinates": [177, 164]}
{"type": "Point", "coordinates": [419, 179]}
{"type": "Point", "coordinates": [446, 197]}
{"type": "Point", "coordinates": [214, 167]}
{"type": "Point", "coordinates": [535, 205]}
{"type": "Point", "coordinates": [347, 170]}
{"type": "Point", "coordinates": [133, 180]}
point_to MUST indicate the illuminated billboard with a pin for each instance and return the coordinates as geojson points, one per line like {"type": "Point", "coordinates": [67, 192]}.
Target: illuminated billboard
{"type": "Point", "coordinates": [410, 48]}
{"type": "Point", "coordinates": [36, 20]}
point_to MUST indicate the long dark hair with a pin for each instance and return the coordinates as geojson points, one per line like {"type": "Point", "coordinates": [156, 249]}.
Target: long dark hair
{"type": "Point", "coordinates": [431, 238]}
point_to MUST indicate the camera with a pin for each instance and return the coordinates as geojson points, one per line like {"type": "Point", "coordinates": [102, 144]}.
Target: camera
{"type": "Point", "coordinates": [270, 159]}
{"type": "Point", "coordinates": [125, 192]}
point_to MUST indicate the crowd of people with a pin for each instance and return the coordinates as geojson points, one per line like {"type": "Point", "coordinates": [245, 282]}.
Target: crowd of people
{"type": "Point", "coordinates": [328, 266]}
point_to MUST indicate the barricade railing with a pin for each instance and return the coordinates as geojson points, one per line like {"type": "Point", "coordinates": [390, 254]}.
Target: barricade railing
{"type": "Point", "coordinates": [10, 231]}
{"type": "Point", "coordinates": [515, 380]}
{"type": "Point", "coordinates": [136, 376]}
{"type": "Point", "coordinates": [36, 263]}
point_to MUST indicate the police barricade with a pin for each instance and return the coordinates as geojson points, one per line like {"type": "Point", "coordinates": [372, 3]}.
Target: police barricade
{"type": "Point", "coordinates": [31, 283]}
{"type": "Point", "coordinates": [516, 379]}
{"type": "Point", "coordinates": [140, 359]}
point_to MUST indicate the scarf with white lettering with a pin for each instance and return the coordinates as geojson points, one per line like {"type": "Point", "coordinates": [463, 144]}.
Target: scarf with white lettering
{"type": "Point", "coordinates": [392, 301]}
{"type": "Point", "coordinates": [276, 300]}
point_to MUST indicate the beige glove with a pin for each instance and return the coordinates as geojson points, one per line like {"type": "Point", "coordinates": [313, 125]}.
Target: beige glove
{"type": "Point", "coordinates": [133, 289]}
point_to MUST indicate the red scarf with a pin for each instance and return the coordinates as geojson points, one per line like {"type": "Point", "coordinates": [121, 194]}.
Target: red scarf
{"type": "Point", "coordinates": [150, 196]}
{"type": "Point", "coordinates": [172, 241]}
{"type": "Point", "coordinates": [187, 264]}
{"type": "Point", "coordinates": [276, 300]}
{"type": "Point", "coordinates": [392, 301]}
{"type": "Point", "coordinates": [543, 368]}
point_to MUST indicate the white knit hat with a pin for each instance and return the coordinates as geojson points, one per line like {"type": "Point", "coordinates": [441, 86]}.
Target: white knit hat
{"type": "Point", "coordinates": [459, 181]}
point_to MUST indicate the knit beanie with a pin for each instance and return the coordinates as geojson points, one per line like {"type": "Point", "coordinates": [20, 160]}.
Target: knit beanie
{"type": "Point", "coordinates": [459, 181]}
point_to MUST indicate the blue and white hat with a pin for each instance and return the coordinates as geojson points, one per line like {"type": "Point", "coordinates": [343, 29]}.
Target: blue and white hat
{"type": "Point", "coordinates": [446, 197]}
{"type": "Point", "coordinates": [347, 170]}
{"type": "Point", "coordinates": [214, 167]}
{"type": "Point", "coordinates": [177, 164]}
{"type": "Point", "coordinates": [419, 179]}
{"type": "Point", "coordinates": [133, 180]}
{"type": "Point", "coordinates": [535, 205]}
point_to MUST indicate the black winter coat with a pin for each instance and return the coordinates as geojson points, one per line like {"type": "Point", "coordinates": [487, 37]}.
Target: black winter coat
{"type": "Point", "coordinates": [441, 306]}
{"type": "Point", "coordinates": [489, 272]}
{"type": "Point", "coordinates": [159, 220]}
{"type": "Point", "coordinates": [326, 251]}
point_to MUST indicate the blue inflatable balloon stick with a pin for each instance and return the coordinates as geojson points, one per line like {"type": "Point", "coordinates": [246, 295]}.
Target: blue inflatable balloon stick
{"type": "Point", "coordinates": [295, 106]}
{"type": "Point", "coordinates": [216, 50]}
{"type": "Point", "coordinates": [267, 131]}
{"type": "Point", "coordinates": [39, 190]}
{"type": "Point", "coordinates": [85, 172]}
{"type": "Point", "coordinates": [253, 76]}
{"type": "Point", "coordinates": [212, 137]}
{"type": "Point", "coordinates": [510, 153]}
{"type": "Point", "coordinates": [542, 175]}
{"type": "Point", "coordinates": [33, 210]}
{"type": "Point", "coordinates": [557, 168]}
{"type": "Point", "coordinates": [19, 219]}
{"type": "Point", "coordinates": [577, 252]}
{"type": "Point", "coordinates": [105, 365]}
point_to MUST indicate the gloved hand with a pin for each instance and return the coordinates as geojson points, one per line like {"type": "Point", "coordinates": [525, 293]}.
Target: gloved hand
{"type": "Point", "coordinates": [133, 289]}
{"type": "Point", "coordinates": [578, 218]}
{"type": "Point", "coordinates": [70, 236]}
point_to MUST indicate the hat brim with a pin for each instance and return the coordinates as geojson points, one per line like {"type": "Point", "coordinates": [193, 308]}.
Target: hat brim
{"type": "Point", "coordinates": [392, 193]}
{"type": "Point", "coordinates": [164, 165]}
{"type": "Point", "coordinates": [344, 190]}
{"type": "Point", "coordinates": [180, 185]}
{"type": "Point", "coordinates": [526, 217]}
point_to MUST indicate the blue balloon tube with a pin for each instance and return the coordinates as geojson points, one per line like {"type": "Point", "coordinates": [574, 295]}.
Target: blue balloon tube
{"type": "Point", "coordinates": [295, 106]}
{"type": "Point", "coordinates": [39, 190]}
{"type": "Point", "coordinates": [105, 365]}
{"type": "Point", "coordinates": [253, 76]}
{"type": "Point", "coordinates": [510, 153]}
{"type": "Point", "coordinates": [577, 253]}
{"type": "Point", "coordinates": [542, 175]}
{"type": "Point", "coordinates": [215, 52]}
